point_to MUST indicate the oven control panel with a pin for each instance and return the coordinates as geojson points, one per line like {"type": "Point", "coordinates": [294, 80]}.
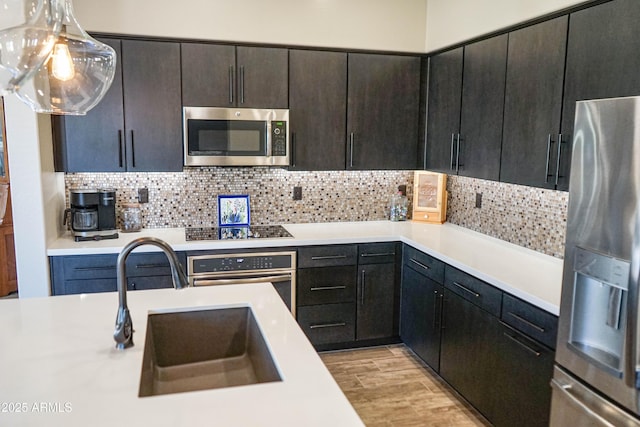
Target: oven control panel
{"type": "Point", "coordinates": [241, 262]}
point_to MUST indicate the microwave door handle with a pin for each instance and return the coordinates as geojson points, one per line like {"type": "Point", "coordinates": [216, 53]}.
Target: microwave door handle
{"type": "Point", "coordinates": [268, 147]}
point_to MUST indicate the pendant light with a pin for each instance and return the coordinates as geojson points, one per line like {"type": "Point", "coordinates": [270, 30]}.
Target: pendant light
{"type": "Point", "coordinates": [75, 77]}
{"type": "Point", "coordinates": [28, 30]}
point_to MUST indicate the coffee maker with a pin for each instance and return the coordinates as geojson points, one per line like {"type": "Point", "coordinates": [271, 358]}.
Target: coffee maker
{"type": "Point", "coordinates": [92, 214]}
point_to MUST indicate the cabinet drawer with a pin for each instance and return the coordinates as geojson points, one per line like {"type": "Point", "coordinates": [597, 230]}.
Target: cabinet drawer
{"type": "Point", "coordinates": [474, 290]}
{"type": "Point", "coordinates": [149, 282]}
{"type": "Point", "coordinates": [423, 264]}
{"type": "Point", "coordinates": [530, 320]}
{"type": "Point", "coordinates": [328, 323]}
{"type": "Point", "coordinates": [79, 267]}
{"type": "Point", "coordinates": [82, 267]}
{"type": "Point", "coordinates": [377, 253]}
{"type": "Point", "coordinates": [326, 285]}
{"type": "Point", "coordinates": [327, 256]}
{"type": "Point", "coordinates": [152, 264]}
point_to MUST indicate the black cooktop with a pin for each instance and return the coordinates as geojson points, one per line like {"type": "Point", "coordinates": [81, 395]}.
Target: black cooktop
{"type": "Point", "coordinates": [232, 233]}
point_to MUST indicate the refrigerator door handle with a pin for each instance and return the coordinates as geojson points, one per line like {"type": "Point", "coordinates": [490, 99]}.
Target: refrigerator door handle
{"type": "Point", "coordinates": [567, 391]}
{"type": "Point", "coordinates": [631, 356]}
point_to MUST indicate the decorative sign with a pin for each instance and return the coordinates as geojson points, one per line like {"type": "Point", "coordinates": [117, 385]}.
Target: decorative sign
{"type": "Point", "coordinates": [233, 211]}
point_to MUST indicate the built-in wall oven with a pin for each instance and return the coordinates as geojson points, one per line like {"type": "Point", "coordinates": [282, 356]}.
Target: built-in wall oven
{"type": "Point", "coordinates": [277, 267]}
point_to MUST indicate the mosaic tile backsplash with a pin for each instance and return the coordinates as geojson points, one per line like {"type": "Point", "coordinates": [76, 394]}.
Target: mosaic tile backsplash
{"type": "Point", "coordinates": [530, 217]}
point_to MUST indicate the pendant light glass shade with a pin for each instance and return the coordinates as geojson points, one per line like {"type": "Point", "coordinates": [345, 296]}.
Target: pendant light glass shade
{"type": "Point", "coordinates": [75, 77]}
{"type": "Point", "coordinates": [28, 30]}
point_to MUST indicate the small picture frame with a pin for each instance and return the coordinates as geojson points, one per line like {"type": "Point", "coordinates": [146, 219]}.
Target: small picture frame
{"type": "Point", "coordinates": [233, 210]}
{"type": "Point", "coordinates": [429, 197]}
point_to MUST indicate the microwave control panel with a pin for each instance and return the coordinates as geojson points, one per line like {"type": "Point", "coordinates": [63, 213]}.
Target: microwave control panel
{"type": "Point", "coordinates": [279, 138]}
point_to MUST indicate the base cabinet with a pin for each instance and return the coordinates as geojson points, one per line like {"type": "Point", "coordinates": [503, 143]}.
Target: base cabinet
{"type": "Point", "coordinates": [523, 368]}
{"type": "Point", "coordinates": [348, 295]}
{"type": "Point", "coordinates": [496, 350]}
{"type": "Point", "coordinates": [467, 356]}
{"type": "Point", "coordinates": [421, 305]}
{"type": "Point", "coordinates": [378, 291]}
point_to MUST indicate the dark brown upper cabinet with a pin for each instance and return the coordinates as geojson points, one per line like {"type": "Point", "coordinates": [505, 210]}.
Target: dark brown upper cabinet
{"type": "Point", "coordinates": [483, 83]}
{"type": "Point", "coordinates": [229, 76]}
{"type": "Point", "coordinates": [382, 111]}
{"type": "Point", "coordinates": [317, 109]}
{"type": "Point", "coordinates": [122, 133]}
{"type": "Point", "coordinates": [443, 113]}
{"type": "Point", "coordinates": [533, 104]}
{"type": "Point", "coordinates": [603, 59]}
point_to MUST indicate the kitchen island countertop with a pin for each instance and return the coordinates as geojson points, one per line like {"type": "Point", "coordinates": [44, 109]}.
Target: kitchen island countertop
{"type": "Point", "coordinates": [524, 273]}
{"type": "Point", "coordinates": [59, 366]}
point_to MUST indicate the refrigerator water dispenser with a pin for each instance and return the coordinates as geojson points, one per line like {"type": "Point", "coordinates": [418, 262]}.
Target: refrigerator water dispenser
{"type": "Point", "coordinates": [599, 309]}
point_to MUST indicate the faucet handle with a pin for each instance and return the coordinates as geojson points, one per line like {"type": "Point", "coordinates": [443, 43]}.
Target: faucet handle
{"type": "Point", "coordinates": [124, 329]}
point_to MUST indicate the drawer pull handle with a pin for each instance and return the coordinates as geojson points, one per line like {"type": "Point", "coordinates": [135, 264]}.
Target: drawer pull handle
{"type": "Point", "coordinates": [464, 288]}
{"type": "Point", "coordinates": [526, 322]}
{"type": "Point", "coordinates": [523, 345]}
{"type": "Point", "coordinates": [418, 263]}
{"type": "Point", "coordinates": [328, 288]}
{"type": "Point", "coordinates": [327, 325]}
{"type": "Point", "coordinates": [152, 265]}
{"type": "Point", "coordinates": [377, 254]}
{"type": "Point", "coordinates": [95, 268]}
{"type": "Point", "coordinates": [318, 258]}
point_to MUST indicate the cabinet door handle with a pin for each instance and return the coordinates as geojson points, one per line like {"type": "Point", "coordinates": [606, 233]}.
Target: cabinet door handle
{"type": "Point", "coordinates": [521, 344]}
{"type": "Point", "coordinates": [546, 169]}
{"type": "Point", "coordinates": [133, 151]}
{"type": "Point", "coordinates": [351, 138]}
{"type": "Point", "coordinates": [293, 149]}
{"type": "Point", "coordinates": [120, 150]}
{"type": "Point", "coordinates": [242, 84]}
{"type": "Point", "coordinates": [365, 255]}
{"type": "Point", "coordinates": [526, 322]}
{"type": "Point", "coordinates": [327, 325]}
{"type": "Point", "coordinates": [458, 154]}
{"type": "Point", "coordinates": [318, 258]}
{"type": "Point", "coordinates": [327, 288]}
{"type": "Point", "coordinates": [363, 287]}
{"type": "Point", "coordinates": [419, 264]}
{"type": "Point", "coordinates": [435, 309]}
{"type": "Point", "coordinates": [453, 137]}
{"type": "Point", "coordinates": [464, 288]}
{"type": "Point", "coordinates": [231, 73]}
{"type": "Point", "coordinates": [560, 142]}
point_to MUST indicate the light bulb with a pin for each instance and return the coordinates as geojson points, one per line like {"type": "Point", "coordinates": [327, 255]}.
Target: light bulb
{"type": "Point", "coordinates": [28, 31]}
{"type": "Point", "coordinates": [77, 75]}
{"type": "Point", "coordinates": [61, 64]}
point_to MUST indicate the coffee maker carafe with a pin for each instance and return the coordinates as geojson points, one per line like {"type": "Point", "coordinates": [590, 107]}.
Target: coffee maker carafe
{"type": "Point", "coordinates": [92, 214]}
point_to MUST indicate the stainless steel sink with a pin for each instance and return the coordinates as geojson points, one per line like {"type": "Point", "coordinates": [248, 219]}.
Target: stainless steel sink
{"type": "Point", "coordinates": [204, 349]}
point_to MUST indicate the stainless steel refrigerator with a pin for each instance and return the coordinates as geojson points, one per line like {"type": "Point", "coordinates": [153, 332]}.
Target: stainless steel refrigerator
{"type": "Point", "coordinates": [597, 374]}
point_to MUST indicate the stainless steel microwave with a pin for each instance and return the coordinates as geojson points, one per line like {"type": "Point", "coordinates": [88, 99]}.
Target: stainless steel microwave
{"type": "Point", "coordinates": [235, 136]}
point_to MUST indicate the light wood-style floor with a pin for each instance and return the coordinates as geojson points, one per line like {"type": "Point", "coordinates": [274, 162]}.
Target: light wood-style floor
{"type": "Point", "coordinates": [389, 386]}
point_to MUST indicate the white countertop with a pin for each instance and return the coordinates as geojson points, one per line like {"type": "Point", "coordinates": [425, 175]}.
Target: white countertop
{"type": "Point", "coordinates": [524, 273]}
{"type": "Point", "coordinates": [58, 362]}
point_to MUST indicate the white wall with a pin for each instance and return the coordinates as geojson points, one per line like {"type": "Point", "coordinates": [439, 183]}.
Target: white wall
{"type": "Point", "coordinates": [454, 21]}
{"type": "Point", "coordinates": [367, 24]}
{"type": "Point", "coordinates": [37, 194]}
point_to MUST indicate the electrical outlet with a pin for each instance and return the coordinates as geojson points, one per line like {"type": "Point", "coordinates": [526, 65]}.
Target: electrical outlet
{"type": "Point", "coordinates": [478, 200]}
{"type": "Point", "coordinates": [297, 193]}
{"type": "Point", "coordinates": [143, 195]}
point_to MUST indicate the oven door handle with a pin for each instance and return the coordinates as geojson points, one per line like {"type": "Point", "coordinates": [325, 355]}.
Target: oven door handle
{"type": "Point", "coordinates": [241, 280]}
